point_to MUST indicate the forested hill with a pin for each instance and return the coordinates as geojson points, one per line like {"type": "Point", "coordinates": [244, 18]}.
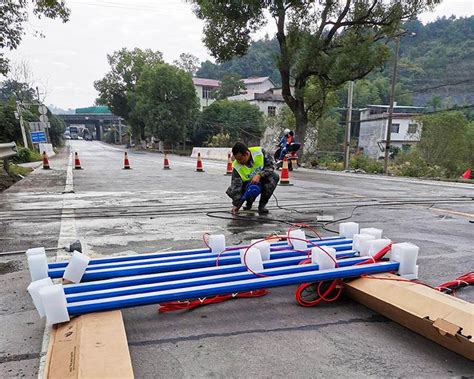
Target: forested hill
{"type": "Point", "coordinates": [441, 52]}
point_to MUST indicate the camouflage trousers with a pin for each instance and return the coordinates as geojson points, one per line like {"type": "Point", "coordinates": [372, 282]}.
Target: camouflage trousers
{"type": "Point", "coordinates": [268, 184]}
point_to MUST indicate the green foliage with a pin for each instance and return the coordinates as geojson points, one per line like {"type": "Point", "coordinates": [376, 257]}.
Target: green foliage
{"type": "Point", "coordinates": [12, 89]}
{"type": "Point", "coordinates": [362, 162]}
{"type": "Point", "coordinates": [330, 44]}
{"type": "Point", "coordinates": [56, 130]}
{"type": "Point", "coordinates": [15, 14]}
{"type": "Point", "coordinates": [165, 101]}
{"type": "Point", "coordinates": [187, 62]}
{"type": "Point", "coordinates": [375, 91]}
{"type": "Point", "coordinates": [239, 119]}
{"type": "Point", "coordinates": [413, 165]}
{"type": "Point", "coordinates": [116, 89]}
{"type": "Point", "coordinates": [230, 85]}
{"type": "Point", "coordinates": [330, 135]}
{"type": "Point", "coordinates": [260, 60]}
{"type": "Point", "coordinates": [26, 155]}
{"type": "Point", "coordinates": [220, 140]}
{"type": "Point", "coordinates": [444, 141]}
{"type": "Point", "coordinates": [9, 125]}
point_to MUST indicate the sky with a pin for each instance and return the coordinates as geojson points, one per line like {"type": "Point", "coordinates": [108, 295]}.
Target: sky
{"type": "Point", "coordinates": [72, 55]}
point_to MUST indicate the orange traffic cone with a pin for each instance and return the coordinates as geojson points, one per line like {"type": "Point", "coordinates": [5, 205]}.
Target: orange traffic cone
{"type": "Point", "coordinates": [229, 165]}
{"type": "Point", "coordinates": [467, 174]}
{"type": "Point", "coordinates": [199, 164]}
{"type": "Point", "coordinates": [45, 161]}
{"type": "Point", "coordinates": [77, 162]}
{"type": "Point", "coordinates": [166, 164]}
{"type": "Point", "coordinates": [285, 174]}
{"type": "Point", "coordinates": [126, 163]}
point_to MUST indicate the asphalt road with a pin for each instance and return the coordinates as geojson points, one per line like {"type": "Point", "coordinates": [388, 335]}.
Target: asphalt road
{"type": "Point", "coordinates": [116, 211]}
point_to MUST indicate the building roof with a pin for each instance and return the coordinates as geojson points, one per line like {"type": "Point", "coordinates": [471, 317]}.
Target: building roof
{"type": "Point", "coordinates": [256, 79]}
{"type": "Point", "coordinates": [269, 96]}
{"type": "Point", "coordinates": [206, 82]}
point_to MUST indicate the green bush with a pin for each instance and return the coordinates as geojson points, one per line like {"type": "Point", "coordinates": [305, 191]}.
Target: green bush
{"type": "Point", "coordinates": [413, 165]}
{"type": "Point", "coordinates": [362, 162]}
{"type": "Point", "coordinates": [26, 155]}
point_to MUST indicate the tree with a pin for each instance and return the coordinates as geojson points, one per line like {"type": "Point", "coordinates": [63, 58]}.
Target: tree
{"type": "Point", "coordinates": [230, 85]}
{"type": "Point", "coordinates": [187, 62]}
{"type": "Point", "coordinates": [445, 141]}
{"type": "Point", "coordinates": [435, 102]}
{"type": "Point", "coordinates": [165, 100]}
{"type": "Point", "coordinates": [328, 41]}
{"type": "Point", "coordinates": [239, 119]}
{"type": "Point", "coordinates": [11, 89]}
{"type": "Point", "coordinates": [15, 14]}
{"type": "Point", "coordinates": [118, 85]}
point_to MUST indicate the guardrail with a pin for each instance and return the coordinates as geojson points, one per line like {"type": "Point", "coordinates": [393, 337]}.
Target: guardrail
{"type": "Point", "coordinates": [7, 150]}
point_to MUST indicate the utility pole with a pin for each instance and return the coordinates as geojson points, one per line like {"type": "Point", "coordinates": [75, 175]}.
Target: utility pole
{"type": "Point", "coordinates": [22, 126]}
{"type": "Point", "coordinates": [390, 109]}
{"type": "Point", "coordinates": [347, 136]}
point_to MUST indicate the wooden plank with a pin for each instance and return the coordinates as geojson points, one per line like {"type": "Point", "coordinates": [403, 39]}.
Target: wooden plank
{"type": "Point", "coordinates": [89, 346]}
{"type": "Point", "coordinates": [444, 319]}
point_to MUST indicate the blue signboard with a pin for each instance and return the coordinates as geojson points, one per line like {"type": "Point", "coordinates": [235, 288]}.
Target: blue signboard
{"type": "Point", "coordinates": [37, 137]}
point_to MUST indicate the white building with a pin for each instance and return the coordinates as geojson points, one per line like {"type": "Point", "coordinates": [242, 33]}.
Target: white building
{"type": "Point", "coordinates": [204, 88]}
{"type": "Point", "coordinates": [406, 130]}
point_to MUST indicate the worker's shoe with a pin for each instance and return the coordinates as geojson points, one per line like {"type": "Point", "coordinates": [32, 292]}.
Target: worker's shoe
{"type": "Point", "coordinates": [248, 205]}
{"type": "Point", "coordinates": [263, 210]}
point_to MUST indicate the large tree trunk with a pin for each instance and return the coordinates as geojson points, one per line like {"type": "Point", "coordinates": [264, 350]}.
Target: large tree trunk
{"type": "Point", "coordinates": [301, 119]}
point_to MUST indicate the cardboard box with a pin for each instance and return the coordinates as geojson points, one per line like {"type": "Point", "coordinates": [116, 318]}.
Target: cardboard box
{"type": "Point", "coordinates": [444, 319]}
{"type": "Point", "coordinates": [89, 346]}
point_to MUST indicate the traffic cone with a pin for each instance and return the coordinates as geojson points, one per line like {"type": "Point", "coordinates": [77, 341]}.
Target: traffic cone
{"type": "Point", "coordinates": [199, 164]}
{"type": "Point", "coordinates": [77, 162]}
{"type": "Point", "coordinates": [45, 161]}
{"type": "Point", "coordinates": [229, 165]}
{"type": "Point", "coordinates": [285, 174]}
{"type": "Point", "coordinates": [467, 174]}
{"type": "Point", "coordinates": [126, 163]}
{"type": "Point", "coordinates": [166, 164]}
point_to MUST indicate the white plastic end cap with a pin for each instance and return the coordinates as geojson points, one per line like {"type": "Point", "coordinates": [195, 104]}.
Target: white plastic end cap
{"type": "Point", "coordinates": [54, 303]}
{"type": "Point", "coordinates": [299, 239]}
{"type": "Point", "coordinates": [324, 257]}
{"type": "Point", "coordinates": [348, 229]}
{"type": "Point", "coordinates": [360, 243]}
{"type": "Point", "coordinates": [38, 266]}
{"type": "Point", "coordinates": [264, 248]}
{"type": "Point", "coordinates": [76, 267]}
{"type": "Point", "coordinates": [35, 251]}
{"type": "Point", "coordinates": [217, 243]}
{"type": "Point", "coordinates": [377, 233]}
{"type": "Point", "coordinates": [252, 258]}
{"type": "Point", "coordinates": [34, 289]}
{"type": "Point", "coordinates": [374, 246]}
{"type": "Point", "coordinates": [406, 254]}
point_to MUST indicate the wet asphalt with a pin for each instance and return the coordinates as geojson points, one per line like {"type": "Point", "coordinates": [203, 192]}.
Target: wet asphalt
{"type": "Point", "coordinates": [145, 209]}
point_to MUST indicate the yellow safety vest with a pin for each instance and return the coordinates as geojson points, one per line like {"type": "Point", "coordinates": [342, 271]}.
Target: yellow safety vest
{"type": "Point", "coordinates": [247, 173]}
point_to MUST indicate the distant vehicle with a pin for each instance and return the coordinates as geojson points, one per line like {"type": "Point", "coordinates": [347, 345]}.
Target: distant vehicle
{"type": "Point", "coordinates": [74, 132]}
{"type": "Point", "coordinates": [88, 137]}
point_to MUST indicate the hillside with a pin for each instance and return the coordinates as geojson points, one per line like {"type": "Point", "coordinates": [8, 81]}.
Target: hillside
{"type": "Point", "coordinates": [441, 52]}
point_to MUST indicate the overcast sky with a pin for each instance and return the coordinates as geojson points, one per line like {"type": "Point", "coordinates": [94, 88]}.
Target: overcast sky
{"type": "Point", "coordinates": [73, 55]}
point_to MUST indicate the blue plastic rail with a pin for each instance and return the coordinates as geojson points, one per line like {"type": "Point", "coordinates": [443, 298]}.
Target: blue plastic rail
{"type": "Point", "coordinates": [275, 245]}
{"type": "Point", "coordinates": [189, 261]}
{"type": "Point", "coordinates": [279, 259]}
{"type": "Point", "coordinates": [256, 283]}
{"type": "Point", "coordinates": [183, 283]}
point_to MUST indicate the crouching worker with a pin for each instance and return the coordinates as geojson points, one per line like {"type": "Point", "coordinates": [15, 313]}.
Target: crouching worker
{"type": "Point", "coordinates": [253, 174]}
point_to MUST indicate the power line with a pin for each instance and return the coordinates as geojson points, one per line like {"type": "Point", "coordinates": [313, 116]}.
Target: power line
{"type": "Point", "coordinates": [439, 86]}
